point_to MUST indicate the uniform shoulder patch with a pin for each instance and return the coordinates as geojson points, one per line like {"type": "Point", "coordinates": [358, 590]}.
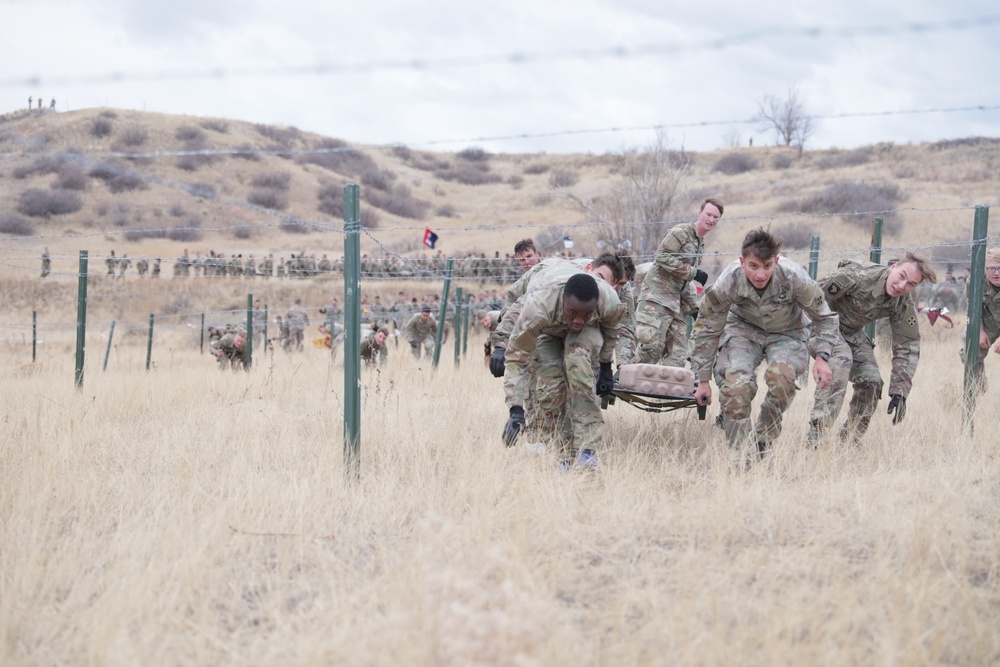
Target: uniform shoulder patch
{"type": "Point", "coordinates": [835, 286]}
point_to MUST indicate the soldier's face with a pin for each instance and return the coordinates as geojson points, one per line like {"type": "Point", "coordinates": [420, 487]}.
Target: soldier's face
{"type": "Point", "coordinates": [238, 340]}
{"type": "Point", "coordinates": [379, 338]}
{"type": "Point", "coordinates": [425, 316]}
{"type": "Point", "coordinates": [577, 313]}
{"type": "Point", "coordinates": [993, 272]}
{"type": "Point", "coordinates": [903, 278]}
{"type": "Point", "coordinates": [604, 273]}
{"type": "Point", "coordinates": [528, 258]}
{"type": "Point", "coordinates": [757, 270]}
{"type": "Point", "coordinates": [708, 218]}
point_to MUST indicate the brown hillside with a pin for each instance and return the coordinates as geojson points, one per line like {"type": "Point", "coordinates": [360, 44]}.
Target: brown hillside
{"type": "Point", "coordinates": [173, 180]}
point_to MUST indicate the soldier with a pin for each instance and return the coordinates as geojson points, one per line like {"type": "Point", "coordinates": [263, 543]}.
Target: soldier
{"type": "Point", "coordinates": [565, 321]}
{"type": "Point", "coordinates": [259, 321]}
{"type": "Point", "coordinates": [142, 266]}
{"type": "Point", "coordinates": [333, 325]}
{"type": "Point", "coordinates": [379, 313]}
{"type": "Point", "coordinates": [761, 307]}
{"type": "Point", "coordinates": [297, 320]}
{"type": "Point", "coordinates": [989, 332]}
{"type": "Point", "coordinates": [658, 312]}
{"type": "Point", "coordinates": [46, 262]}
{"type": "Point", "coordinates": [112, 263]}
{"type": "Point", "coordinates": [267, 266]}
{"type": "Point", "coordinates": [230, 350]}
{"type": "Point", "coordinates": [861, 293]}
{"type": "Point", "coordinates": [373, 347]}
{"type": "Point", "coordinates": [420, 331]}
{"type": "Point", "coordinates": [123, 263]}
{"type": "Point", "coordinates": [526, 254]}
{"type": "Point", "coordinates": [250, 270]}
{"type": "Point", "coordinates": [156, 268]}
{"type": "Point", "coordinates": [324, 265]}
{"type": "Point", "coordinates": [282, 328]}
{"type": "Point", "coordinates": [281, 268]}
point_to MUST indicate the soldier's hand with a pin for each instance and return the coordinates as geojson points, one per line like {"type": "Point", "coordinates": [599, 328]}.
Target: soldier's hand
{"type": "Point", "coordinates": [701, 277]}
{"type": "Point", "coordinates": [703, 394]}
{"type": "Point", "coordinates": [497, 361]}
{"type": "Point", "coordinates": [984, 340]}
{"type": "Point", "coordinates": [605, 379]}
{"type": "Point", "coordinates": [822, 373]}
{"type": "Point", "coordinates": [897, 408]}
{"type": "Point", "coordinates": [514, 426]}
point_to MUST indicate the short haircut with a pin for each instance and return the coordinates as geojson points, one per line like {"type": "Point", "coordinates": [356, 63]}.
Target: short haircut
{"type": "Point", "coordinates": [761, 243]}
{"type": "Point", "coordinates": [383, 331]}
{"type": "Point", "coordinates": [611, 261]}
{"type": "Point", "coordinates": [926, 272]}
{"type": "Point", "coordinates": [583, 286]}
{"type": "Point", "coordinates": [524, 245]}
{"type": "Point", "coordinates": [628, 265]}
{"type": "Point", "coordinates": [480, 314]}
{"type": "Point", "coordinates": [714, 202]}
{"type": "Point", "coordinates": [993, 253]}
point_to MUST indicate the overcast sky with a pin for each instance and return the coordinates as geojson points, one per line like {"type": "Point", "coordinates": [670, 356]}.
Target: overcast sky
{"type": "Point", "coordinates": [519, 67]}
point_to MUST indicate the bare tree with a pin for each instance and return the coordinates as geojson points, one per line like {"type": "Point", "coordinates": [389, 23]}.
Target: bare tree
{"type": "Point", "coordinates": [636, 211]}
{"type": "Point", "coordinates": [787, 118]}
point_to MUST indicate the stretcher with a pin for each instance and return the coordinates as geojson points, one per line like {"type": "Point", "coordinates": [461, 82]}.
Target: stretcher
{"type": "Point", "coordinates": [654, 389]}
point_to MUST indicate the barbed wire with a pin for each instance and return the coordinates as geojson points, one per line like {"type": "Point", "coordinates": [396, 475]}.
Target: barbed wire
{"type": "Point", "coordinates": [518, 58]}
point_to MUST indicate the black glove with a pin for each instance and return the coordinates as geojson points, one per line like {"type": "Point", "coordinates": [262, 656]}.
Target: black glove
{"type": "Point", "coordinates": [701, 277]}
{"type": "Point", "coordinates": [897, 405]}
{"type": "Point", "coordinates": [497, 364]}
{"type": "Point", "coordinates": [694, 314]}
{"type": "Point", "coordinates": [514, 426]}
{"type": "Point", "coordinates": [414, 345]}
{"type": "Point", "coordinates": [605, 379]}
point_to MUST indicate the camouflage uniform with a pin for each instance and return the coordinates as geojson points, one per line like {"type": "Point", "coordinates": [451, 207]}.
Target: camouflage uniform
{"type": "Point", "coordinates": [676, 352]}
{"type": "Point", "coordinates": [420, 333]}
{"type": "Point", "coordinates": [658, 313]}
{"type": "Point", "coordinates": [856, 292]}
{"type": "Point", "coordinates": [990, 324]}
{"type": "Point", "coordinates": [334, 326]}
{"type": "Point", "coordinates": [739, 327]}
{"type": "Point", "coordinates": [297, 320]}
{"type": "Point", "coordinates": [566, 403]}
{"type": "Point", "coordinates": [112, 263]}
{"type": "Point", "coordinates": [46, 263]}
{"type": "Point", "coordinates": [232, 356]}
{"type": "Point", "coordinates": [370, 350]}
{"type": "Point", "coordinates": [259, 321]}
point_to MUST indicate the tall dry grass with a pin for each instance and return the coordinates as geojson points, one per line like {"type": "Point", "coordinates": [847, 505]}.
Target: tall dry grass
{"type": "Point", "coordinates": [189, 516]}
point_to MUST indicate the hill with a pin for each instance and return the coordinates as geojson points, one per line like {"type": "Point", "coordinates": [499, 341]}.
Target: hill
{"type": "Point", "coordinates": [153, 184]}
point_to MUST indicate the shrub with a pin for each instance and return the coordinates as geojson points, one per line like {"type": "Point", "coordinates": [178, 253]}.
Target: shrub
{"type": "Point", "coordinates": [543, 199]}
{"type": "Point", "coordinates": [105, 171]}
{"type": "Point", "coordinates": [15, 225]}
{"type": "Point", "coordinates": [399, 201]}
{"type": "Point", "coordinates": [515, 181]}
{"type": "Point", "coordinates": [276, 200]}
{"type": "Point", "coordinates": [850, 198]}
{"type": "Point", "coordinates": [446, 211]}
{"type": "Point", "coordinates": [123, 182]}
{"type": "Point", "coordinates": [283, 136]}
{"type": "Point", "coordinates": [402, 152]}
{"type": "Point", "coordinates": [291, 227]}
{"type": "Point", "coordinates": [946, 144]}
{"type": "Point", "coordinates": [71, 177]}
{"type": "Point", "coordinates": [203, 190]}
{"type": "Point", "coordinates": [837, 159]}
{"type": "Point", "coordinates": [331, 200]}
{"type": "Point", "coordinates": [220, 126]}
{"type": "Point", "coordinates": [40, 166]}
{"type": "Point", "coordinates": [562, 178]}
{"type": "Point", "coordinates": [369, 218]}
{"type": "Point", "coordinates": [536, 168]}
{"type": "Point", "coordinates": [38, 203]}
{"type": "Point", "coordinates": [247, 152]}
{"type": "Point", "coordinates": [797, 235]}
{"type": "Point", "coordinates": [337, 156]}
{"type": "Point", "coordinates": [474, 154]}
{"type": "Point", "coordinates": [275, 180]}
{"type": "Point", "coordinates": [177, 211]}
{"type": "Point", "coordinates": [380, 179]}
{"type": "Point", "coordinates": [189, 133]}
{"type": "Point", "coordinates": [108, 113]}
{"type": "Point", "coordinates": [134, 136]}
{"type": "Point", "coordinates": [242, 232]}
{"type": "Point", "coordinates": [101, 128]}
{"type": "Point", "coordinates": [732, 164]}
{"type": "Point", "coordinates": [429, 162]}
{"type": "Point", "coordinates": [134, 235]}
{"type": "Point", "coordinates": [468, 173]}
{"type": "Point", "coordinates": [190, 230]}
{"type": "Point", "coordinates": [781, 161]}
{"type": "Point", "coordinates": [102, 208]}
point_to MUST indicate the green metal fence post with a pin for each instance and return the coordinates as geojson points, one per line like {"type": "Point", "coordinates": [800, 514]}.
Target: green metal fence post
{"type": "Point", "coordinates": [34, 334]}
{"type": "Point", "coordinates": [457, 325]}
{"type": "Point", "coordinates": [814, 257]}
{"type": "Point", "coordinates": [443, 314]}
{"type": "Point", "coordinates": [81, 318]}
{"type": "Point", "coordinates": [352, 332]}
{"type": "Point", "coordinates": [149, 345]}
{"type": "Point", "coordinates": [203, 333]}
{"type": "Point", "coordinates": [875, 256]}
{"type": "Point", "coordinates": [465, 324]}
{"type": "Point", "coordinates": [249, 340]}
{"type": "Point", "coordinates": [107, 353]}
{"type": "Point", "coordinates": [264, 337]}
{"type": "Point", "coordinates": [978, 270]}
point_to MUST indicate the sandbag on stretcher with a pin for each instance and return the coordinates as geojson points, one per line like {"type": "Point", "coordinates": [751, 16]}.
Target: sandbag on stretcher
{"type": "Point", "coordinates": [659, 380]}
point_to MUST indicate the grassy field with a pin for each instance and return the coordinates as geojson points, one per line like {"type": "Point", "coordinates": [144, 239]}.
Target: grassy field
{"type": "Point", "coordinates": [190, 516]}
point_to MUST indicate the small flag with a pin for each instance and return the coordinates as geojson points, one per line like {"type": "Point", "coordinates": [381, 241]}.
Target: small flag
{"type": "Point", "coordinates": [567, 242]}
{"type": "Point", "coordinates": [430, 238]}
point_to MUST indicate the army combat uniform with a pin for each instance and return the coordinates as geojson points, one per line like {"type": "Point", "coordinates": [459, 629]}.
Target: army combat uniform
{"type": "Point", "coordinates": [231, 356]}
{"type": "Point", "coordinates": [990, 324]}
{"type": "Point", "coordinates": [658, 314]}
{"type": "Point", "coordinates": [420, 333]}
{"type": "Point", "coordinates": [297, 320]}
{"type": "Point", "coordinates": [740, 326]}
{"type": "Point", "coordinates": [856, 292]}
{"type": "Point", "coordinates": [372, 351]}
{"type": "Point", "coordinates": [565, 397]}
{"type": "Point", "coordinates": [676, 353]}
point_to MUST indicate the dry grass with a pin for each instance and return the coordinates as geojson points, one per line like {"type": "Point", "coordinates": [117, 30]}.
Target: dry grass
{"type": "Point", "coordinates": [190, 516]}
